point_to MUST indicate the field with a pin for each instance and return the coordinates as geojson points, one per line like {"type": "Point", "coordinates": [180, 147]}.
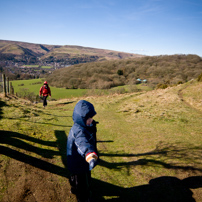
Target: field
{"type": "Point", "coordinates": [34, 85]}
{"type": "Point", "coordinates": [36, 66]}
{"type": "Point", "coordinates": [150, 145]}
{"type": "Point", "coordinates": [46, 67]}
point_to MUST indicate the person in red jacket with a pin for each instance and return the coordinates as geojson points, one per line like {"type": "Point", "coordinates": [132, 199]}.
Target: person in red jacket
{"type": "Point", "coordinates": [45, 91]}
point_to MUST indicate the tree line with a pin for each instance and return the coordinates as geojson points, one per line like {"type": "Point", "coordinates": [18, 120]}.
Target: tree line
{"type": "Point", "coordinates": [165, 69]}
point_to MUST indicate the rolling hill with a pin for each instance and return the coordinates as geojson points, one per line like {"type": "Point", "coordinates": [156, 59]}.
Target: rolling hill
{"type": "Point", "coordinates": [74, 54]}
{"type": "Point", "coordinates": [168, 70]}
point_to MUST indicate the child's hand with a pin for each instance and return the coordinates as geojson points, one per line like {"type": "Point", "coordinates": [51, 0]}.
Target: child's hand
{"type": "Point", "coordinates": [92, 164]}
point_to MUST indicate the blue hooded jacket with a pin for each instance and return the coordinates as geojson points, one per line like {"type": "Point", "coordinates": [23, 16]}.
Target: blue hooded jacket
{"type": "Point", "coordinates": [80, 140]}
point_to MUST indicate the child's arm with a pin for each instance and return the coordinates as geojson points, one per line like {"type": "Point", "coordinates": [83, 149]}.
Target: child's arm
{"type": "Point", "coordinates": [86, 150]}
{"type": "Point", "coordinates": [40, 91]}
{"type": "Point", "coordinates": [49, 91]}
{"type": "Point", "coordinates": [92, 158]}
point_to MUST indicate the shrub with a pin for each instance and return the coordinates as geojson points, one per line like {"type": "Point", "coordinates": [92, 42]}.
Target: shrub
{"type": "Point", "coordinates": [161, 86]}
{"type": "Point", "coordinates": [132, 88]}
{"type": "Point", "coordinates": [121, 91]}
{"type": "Point", "coordinates": [26, 94]}
{"type": "Point", "coordinates": [120, 72]}
{"type": "Point", "coordinates": [199, 77]}
{"type": "Point", "coordinates": [74, 83]}
{"type": "Point", "coordinates": [118, 91]}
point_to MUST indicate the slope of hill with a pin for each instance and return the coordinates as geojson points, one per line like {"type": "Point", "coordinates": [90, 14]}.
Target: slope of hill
{"type": "Point", "coordinates": [36, 49]}
{"type": "Point", "coordinates": [59, 53]}
{"type": "Point", "coordinates": [169, 70]}
{"type": "Point", "coordinates": [149, 143]}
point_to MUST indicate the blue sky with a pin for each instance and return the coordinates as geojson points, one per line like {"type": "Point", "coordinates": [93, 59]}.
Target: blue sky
{"type": "Point", "coordinates": [148, 27]}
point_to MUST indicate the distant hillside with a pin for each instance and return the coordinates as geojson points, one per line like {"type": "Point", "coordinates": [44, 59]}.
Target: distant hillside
{"type": "Point", "coordinates": [167, 70]}
{"type": "Point", "coordinates": [22, 52]}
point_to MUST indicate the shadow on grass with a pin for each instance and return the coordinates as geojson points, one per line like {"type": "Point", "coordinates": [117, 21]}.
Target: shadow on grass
{"type": "Point", "coordinates": [64, 103]}
{"type": "Point", "coordinates": [55, 115]}
{"type": "Point", "coordinates": [19, 141]}
{"type": "Point", "coordinates": [166, 189]}
{"type": "Point", "coordinates": [59, 105]}
{"type": "Point", "coordinates": [43, 111]}
{"type": "Point", "coordinates": [186, 157]}
{"type": "Point", "coordinates": [106, 141]}
{"type": "Point", "coordinates": [2, 104]}
{"type": "Point", "coordinates": [162, 189]}
{"type": "Point", "coordinates": [62, 145]}
{"type": "Point", "coordinates": [44, 123]}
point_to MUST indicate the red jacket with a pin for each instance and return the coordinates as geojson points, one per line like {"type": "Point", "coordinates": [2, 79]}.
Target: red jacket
{"type": "Point", "coordinates": [45, 90]}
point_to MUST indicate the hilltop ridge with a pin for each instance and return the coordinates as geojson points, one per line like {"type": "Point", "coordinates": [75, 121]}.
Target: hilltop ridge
{"type": "Point", "coordinates": [68, 54]}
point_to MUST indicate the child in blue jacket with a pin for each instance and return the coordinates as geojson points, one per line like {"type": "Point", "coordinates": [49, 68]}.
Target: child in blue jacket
{"type": "Point", "coordinates": [82, 155]}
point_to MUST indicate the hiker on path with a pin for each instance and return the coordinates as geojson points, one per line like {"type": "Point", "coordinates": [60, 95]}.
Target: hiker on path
{"type": "Point", "coordinates": [82, 154]}
{"type": "Point", "coordinates": [45, 91]}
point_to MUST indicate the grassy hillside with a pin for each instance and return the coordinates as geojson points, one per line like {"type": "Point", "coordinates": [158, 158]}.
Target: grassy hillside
{"type": "Point", "coordinates": [58, 53]}
{"type": "Point", "coordinates": [169, 70]}
{"type": "Point", "coordinates": [150, 147]}
{"type": "Point", "coordinates": [38, 49]}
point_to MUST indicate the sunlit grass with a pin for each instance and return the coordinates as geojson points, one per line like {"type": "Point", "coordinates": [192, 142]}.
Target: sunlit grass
{"type": "Point", "coordinates": [34, 85]}
{"type": "Point", "coordinates": [141, 135]}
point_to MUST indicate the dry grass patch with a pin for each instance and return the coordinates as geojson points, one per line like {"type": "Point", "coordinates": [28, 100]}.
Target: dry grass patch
{"type": "Point", "coordinates": [193, 95]}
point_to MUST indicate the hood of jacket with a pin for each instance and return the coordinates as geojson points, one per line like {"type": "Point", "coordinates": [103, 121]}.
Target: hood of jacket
{"type": "Point", "coordinates": [82, 111]}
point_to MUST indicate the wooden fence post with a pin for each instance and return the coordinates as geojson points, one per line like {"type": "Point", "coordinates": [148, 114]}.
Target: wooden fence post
{"type": "Point", "coordinates": [11, 89]}
{"type": "Point", "coordinates": [4, 84]}
{"type": "Point", "coordinates": [7, 85]}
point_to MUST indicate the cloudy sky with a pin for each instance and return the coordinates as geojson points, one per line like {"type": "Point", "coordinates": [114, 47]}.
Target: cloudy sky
{"type": "Point", "coordinates": [148, 27]}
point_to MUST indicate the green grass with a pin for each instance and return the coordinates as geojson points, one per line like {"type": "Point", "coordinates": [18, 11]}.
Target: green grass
{"type": "Point", "coordinates": [141, 136]}
{"type": "Point", "coordinates": [32, 66]}
{"type": "Point", "coordinates": [36, 66]}
{"type": "Point", "coordinates": [130, 88]}
{"type": "Point", "coordinates": [34, 85]}
{"type": "Point", "coordinates": [46, 67]}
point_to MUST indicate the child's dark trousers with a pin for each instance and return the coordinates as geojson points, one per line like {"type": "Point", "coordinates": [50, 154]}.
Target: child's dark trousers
{"type": "Point", "coordinates": [80, 186]}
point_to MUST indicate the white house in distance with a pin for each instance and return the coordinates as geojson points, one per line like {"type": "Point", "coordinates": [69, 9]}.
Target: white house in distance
{"type": "Point", "coordinates": [141, 81]}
